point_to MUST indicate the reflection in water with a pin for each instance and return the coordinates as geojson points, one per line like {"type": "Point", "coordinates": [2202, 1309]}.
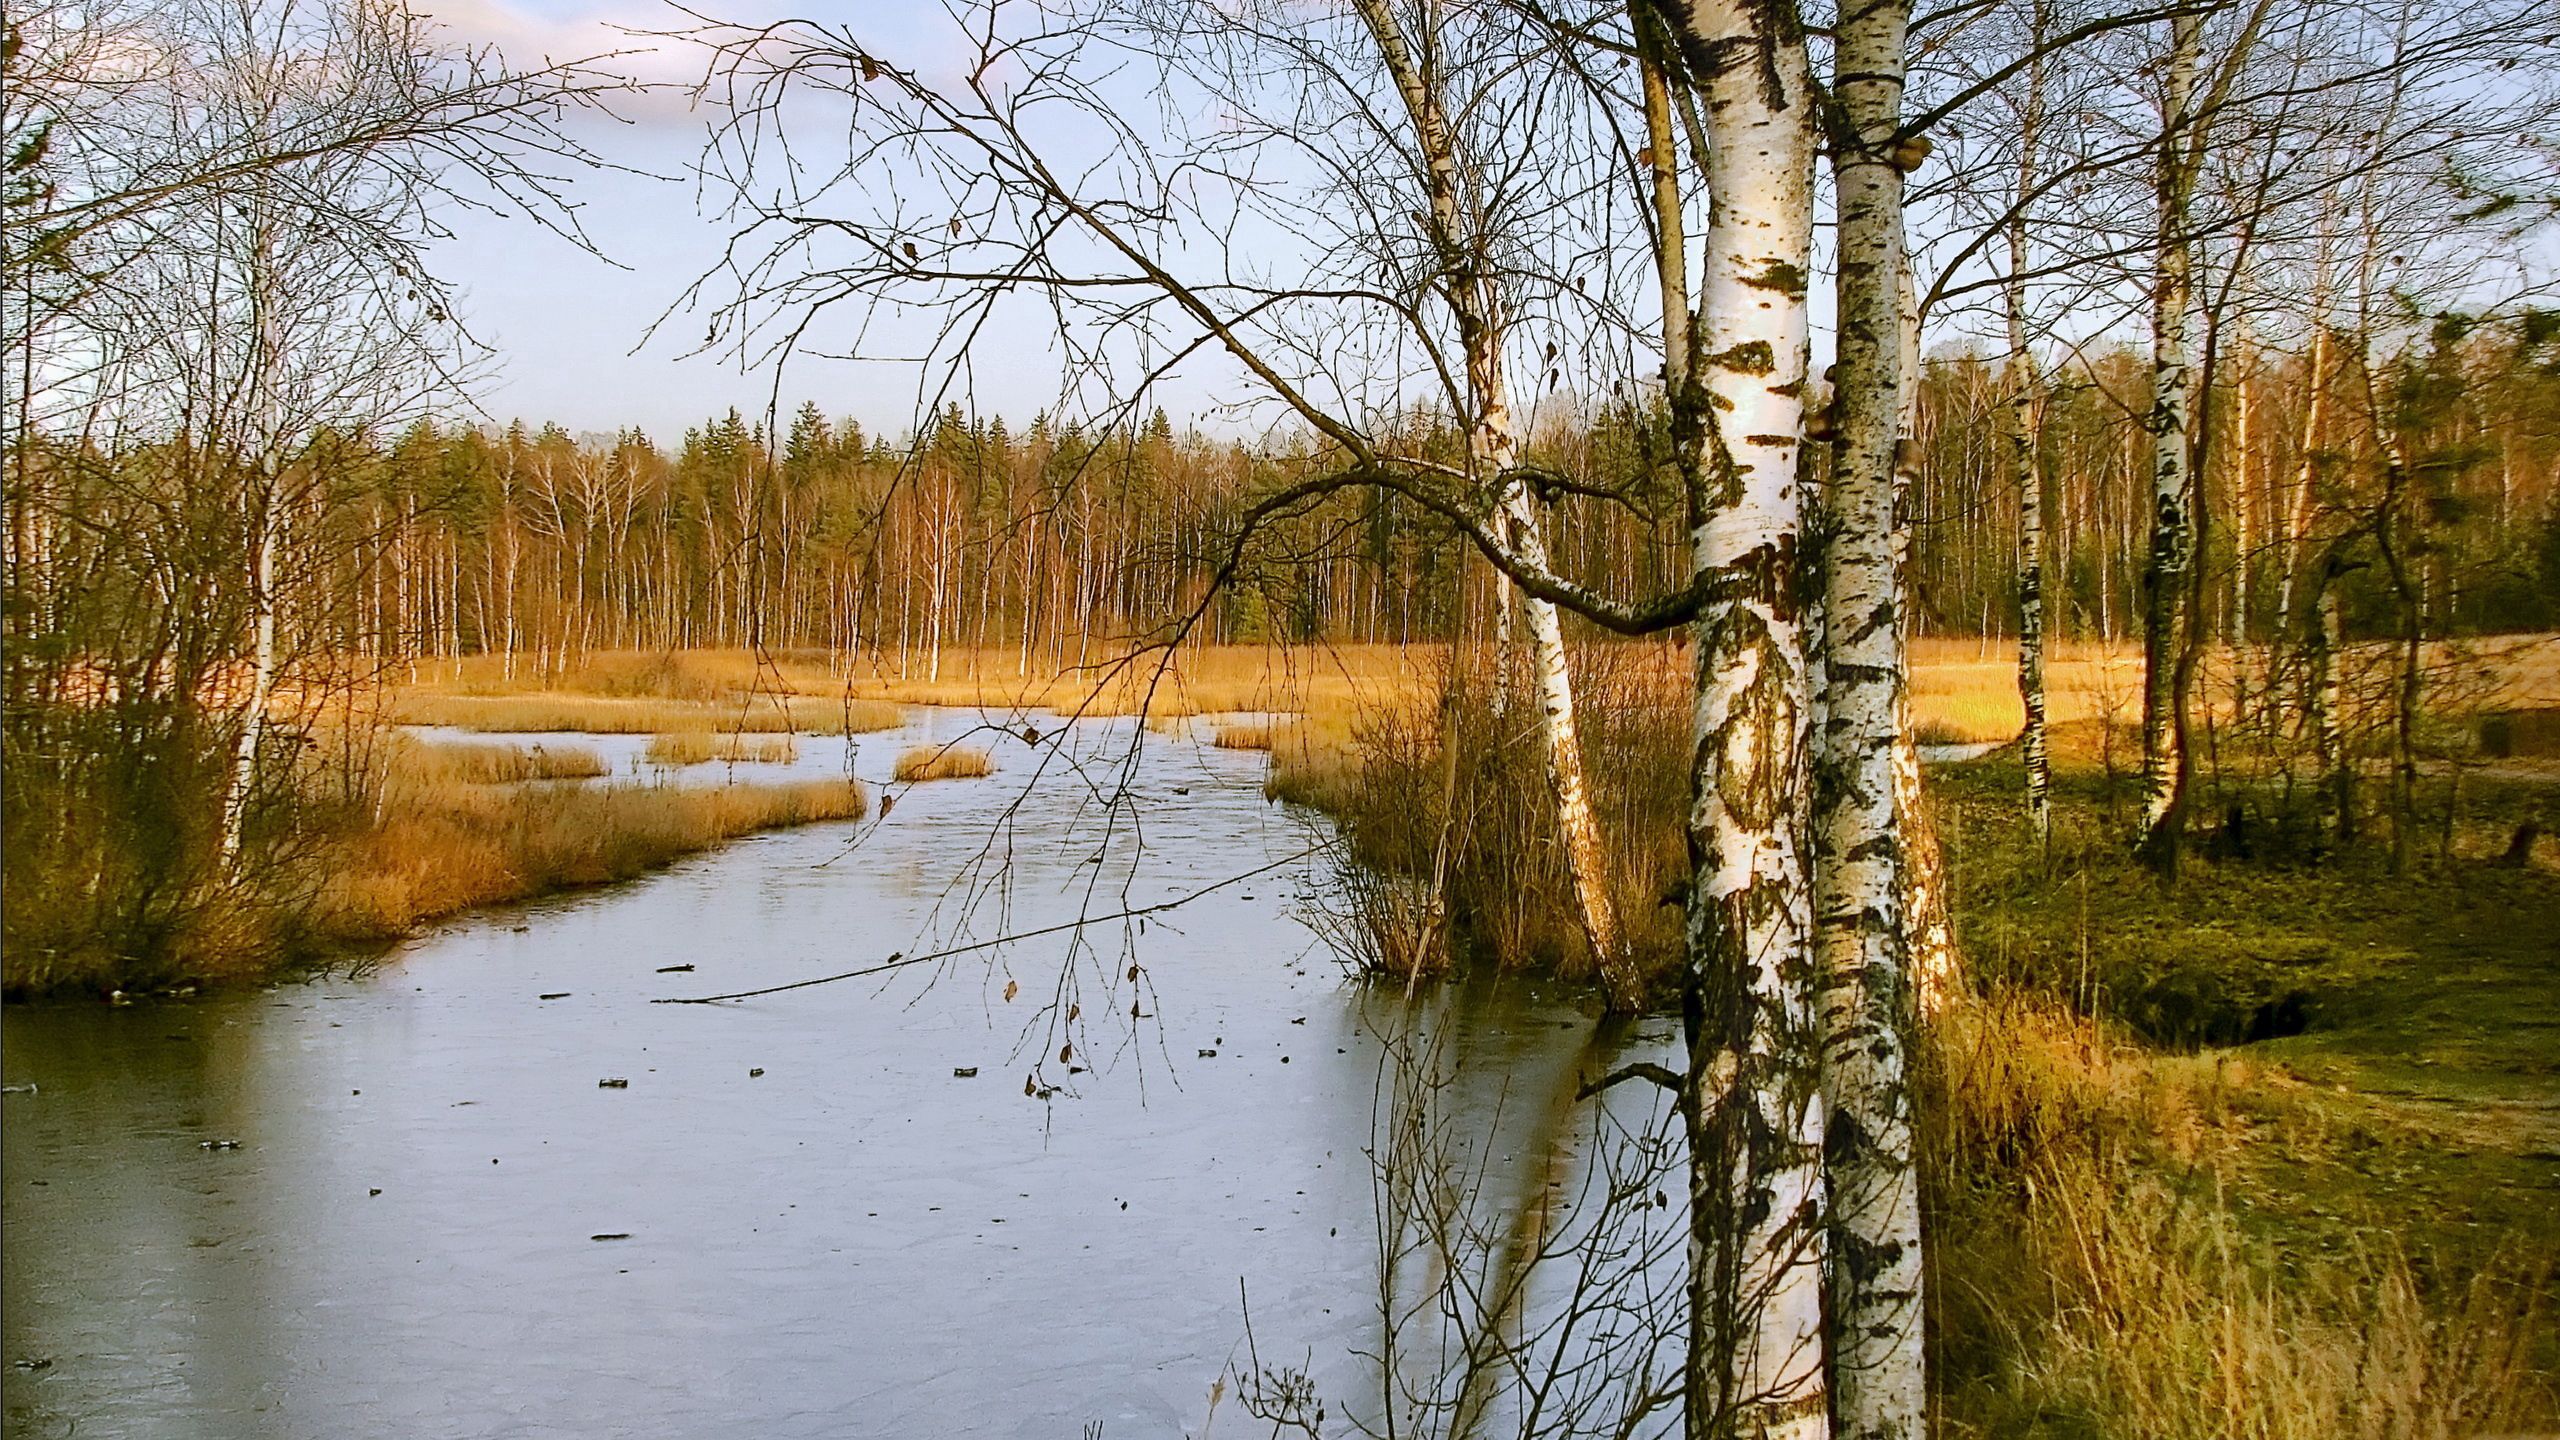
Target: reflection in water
{"type": "Point", "coordinates": [1520, 1227]}
{"type": "Point", "coordinates": [831, 1233]}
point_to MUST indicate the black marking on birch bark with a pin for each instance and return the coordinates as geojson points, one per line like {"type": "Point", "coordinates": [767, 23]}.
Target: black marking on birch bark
{"type": "Point", "coordinates": [1751, 357]}
{"type": "Point", "coordinates": [1882, 844]}
{"type": "Point", "coordinates": [1786, 279]}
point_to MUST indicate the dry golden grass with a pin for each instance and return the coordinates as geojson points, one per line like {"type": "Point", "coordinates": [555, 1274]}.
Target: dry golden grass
{"type": "Point", "coordinates": [466, 764]}
{"type": "Point", "coordinates": [2089, 1278]}
{"type": "Point", "coordinates": [694, 747]}
{"type": "Point", "coordinates": [1243, 737]}
{"type": "Point", "coordinates": [1199, 680]}
{"type": "Point", "coordinates": [2526, 669]}
{"type": "Point", "coordinates": [1962, 690]}
{"type": "Point", "coordinates": [1205, 680]}
{"type": "Point", "coordinates": [947, 762]}
{"type": "Point", "coordinates": [1316, 760]}
{"type": "Point", "coordinates": [551, 712]}
{"type": "Point", "coordinates": [2128, 1241]}
{"type": "Point", "coordinates": [434, 847]}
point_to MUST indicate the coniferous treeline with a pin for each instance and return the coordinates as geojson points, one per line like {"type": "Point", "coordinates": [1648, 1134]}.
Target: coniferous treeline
{"type": "Point", "coordinates": [2472, 412]}
{"type": "Point", "coordinates": [1055, 543]}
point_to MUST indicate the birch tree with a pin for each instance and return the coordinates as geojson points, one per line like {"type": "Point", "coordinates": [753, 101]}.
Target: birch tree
{"type": "Point", "coordinates": [216, 289]}
{"type": "Point", "coordinates": [1861, 935]}
{"type": "Point", "coordinates": [2167, 591]}
{"type": "Point", "coordinates": [1475, 300]}
{"type": "Point", "coordinates": [1754, 1097]}
{"type": "Point", "coordinates": [2022, 442]}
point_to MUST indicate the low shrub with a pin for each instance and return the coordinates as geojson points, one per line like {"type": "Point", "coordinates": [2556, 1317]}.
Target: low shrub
{"type": "Point", "coordinates": [947, 762]}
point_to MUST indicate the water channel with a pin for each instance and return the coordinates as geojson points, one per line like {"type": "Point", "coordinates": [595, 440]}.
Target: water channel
{"type": "Point", "coordinates": [802, 1215]}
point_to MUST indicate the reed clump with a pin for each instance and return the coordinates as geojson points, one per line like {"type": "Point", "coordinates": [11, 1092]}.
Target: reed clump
{"type": "Point", "coordinates": [696, 747]}
{"type": "Point", "coordinates": [1254, 736]}
{"type": "Point", "coordinates": [1468, 839]}
{"type": "Point", "coordinates": [470, 764]}
{"type": "Point", "coordinates": [432, 847]}
{"type": "Point", "coordinates": [943, 762]}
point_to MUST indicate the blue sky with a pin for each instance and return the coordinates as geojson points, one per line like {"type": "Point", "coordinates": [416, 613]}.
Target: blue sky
{"type": "Point", "coordinates": [570, 331]}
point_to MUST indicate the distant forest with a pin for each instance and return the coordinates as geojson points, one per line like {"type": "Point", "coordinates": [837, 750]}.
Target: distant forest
{"type": "Point", "coordinates": [1057, 541]}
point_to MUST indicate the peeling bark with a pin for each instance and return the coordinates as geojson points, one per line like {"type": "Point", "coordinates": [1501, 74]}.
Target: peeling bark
{"type": "Point", "coordinates": [1752, 1102]}
{"type": "Point", "coordinates": [1873, 1272]}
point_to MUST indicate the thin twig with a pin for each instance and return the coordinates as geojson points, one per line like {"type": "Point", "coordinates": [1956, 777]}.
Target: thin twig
{"type": "Point", "coordinates": [900, 962]}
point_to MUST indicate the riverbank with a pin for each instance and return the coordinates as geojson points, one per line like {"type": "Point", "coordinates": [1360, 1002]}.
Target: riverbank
{"type": "Point", "coordinates": [2273, 1150]}
{"type": "Point", "coordinates": [783, 1183]}
{"type": "Point", "coordinates": [436, 847]}
{"type": "Point", "coordinates": [1962, 690]}
{"type": "Point", "coordinates": [419, 833]}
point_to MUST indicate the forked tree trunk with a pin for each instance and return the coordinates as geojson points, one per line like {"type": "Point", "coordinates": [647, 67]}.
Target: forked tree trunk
{"type": "Point", "coordinates": [2173, 530]}
{"type": "Point", "coordinates": [1873, 1270]}
{"type": "Point", "coordinates": [1493, 446]}
{"type": "Point", "coordinates": [1752, 1100]}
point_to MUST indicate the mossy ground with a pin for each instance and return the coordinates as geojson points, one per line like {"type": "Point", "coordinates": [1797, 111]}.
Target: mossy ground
{"type": "Point", "coordinates": [2386, 1045]}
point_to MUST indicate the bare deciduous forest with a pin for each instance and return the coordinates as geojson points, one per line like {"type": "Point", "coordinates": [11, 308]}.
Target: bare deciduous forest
{"type": "Point", "coordinates": [1960, 607]}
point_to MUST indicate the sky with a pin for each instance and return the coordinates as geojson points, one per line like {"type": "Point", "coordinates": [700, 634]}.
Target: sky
{"type": "Point", "coordinates": [588, 339]}
{"type": "Point", "coordinates": [601, 342]}
{"type": "Point", "coordinates": [598, 343]}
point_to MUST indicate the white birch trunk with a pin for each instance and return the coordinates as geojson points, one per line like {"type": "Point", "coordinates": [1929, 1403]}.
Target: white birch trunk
{"type": "Point", "coordinates": [2021, 447]}
{"type": "Point", "coordinates": [2299, 494]}
{"type": "Point", "coordinates": [262, 671]}
{"type": "Point", "coordinates": [2243, 531]}
{"type": "Point", "coordinates": [2327, 694]}
{"type": "Point", "coordinates": [2173, 531]}
{"type": "Point", "coordinates": [1576, 825]}
{"type": "Point", "coordinates": [1873, 1267]}
{"type": "Point", "coordinates": [267, 406]}
{"type": "Point", "coordinates": [1753, 1102]}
